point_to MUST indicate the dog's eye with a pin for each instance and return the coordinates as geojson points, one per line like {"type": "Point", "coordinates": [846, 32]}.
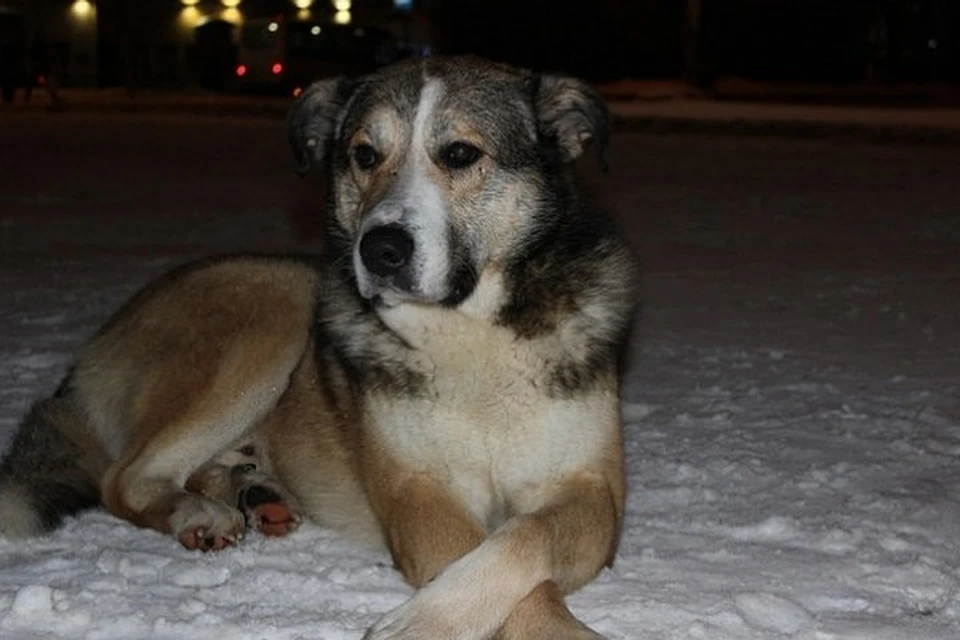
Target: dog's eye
{"type": "Point", "coordinates": [365, 156]}
{"type": "Point", "coordinates": [459, 155]}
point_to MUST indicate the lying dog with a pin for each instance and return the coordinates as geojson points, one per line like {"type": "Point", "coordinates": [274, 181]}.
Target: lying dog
{"type": "Point", "coordinates": [444, 383]}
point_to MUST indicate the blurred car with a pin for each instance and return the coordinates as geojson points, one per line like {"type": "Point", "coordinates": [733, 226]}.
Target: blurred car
{"type": "Point", "coordinates": [284, 55]}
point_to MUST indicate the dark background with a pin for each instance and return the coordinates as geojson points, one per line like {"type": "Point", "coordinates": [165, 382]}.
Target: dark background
{"type": "Point", "coordinates": [700, 41]}
{"type": "Point", "coordinates": [795, 40]}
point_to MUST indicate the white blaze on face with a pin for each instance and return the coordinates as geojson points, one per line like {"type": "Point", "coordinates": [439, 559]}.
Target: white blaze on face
{"type": "Point", "coordinates": [417, 203]}
{"type": "Point", "coordinates": [429, 214]}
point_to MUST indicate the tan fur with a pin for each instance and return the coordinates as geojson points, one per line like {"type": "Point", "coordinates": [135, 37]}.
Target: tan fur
{"type": "Point", "coordinates": [315, 450]}
{"type": "Point", "coordinates": [182, 372]}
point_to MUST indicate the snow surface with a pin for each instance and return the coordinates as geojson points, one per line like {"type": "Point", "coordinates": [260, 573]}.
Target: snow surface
{"type": "Point", "coordinates": [792, 404]}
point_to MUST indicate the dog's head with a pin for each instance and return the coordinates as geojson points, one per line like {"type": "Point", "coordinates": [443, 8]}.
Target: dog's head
{"type": "Point", "coordinates": [440, 166]}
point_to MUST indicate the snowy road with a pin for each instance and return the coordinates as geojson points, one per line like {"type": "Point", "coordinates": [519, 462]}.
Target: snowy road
{"type": "Point", "coordinates": [792, 406]}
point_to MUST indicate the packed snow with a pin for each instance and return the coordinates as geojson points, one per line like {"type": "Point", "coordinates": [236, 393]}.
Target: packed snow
{"type": "Point", "coordinates": [792, 401]}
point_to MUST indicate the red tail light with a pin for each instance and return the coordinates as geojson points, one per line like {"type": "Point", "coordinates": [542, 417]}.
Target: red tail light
{"type": "Point", "coordinates": [241, 70]}
{"type": "Point", "coordinates": [276, 69]}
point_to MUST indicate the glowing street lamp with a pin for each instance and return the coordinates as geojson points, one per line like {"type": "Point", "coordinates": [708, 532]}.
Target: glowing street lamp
{"type": "Point", "coordinates": [190, 17]}
{"type": "Point", "coordinates": [81, 8]}
{"type": "Point", "coordinates": [232, 14]}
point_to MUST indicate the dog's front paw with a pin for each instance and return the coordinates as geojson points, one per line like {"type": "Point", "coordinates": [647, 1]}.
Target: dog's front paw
{"type": "Point", "coordinates": [549, 632]}
{"type": "Point", "coordinates": [555, 623]}
{"type": "Point", "coordinates": [414, 621]}
{"type": "Point", "coordinates": [203, 524]}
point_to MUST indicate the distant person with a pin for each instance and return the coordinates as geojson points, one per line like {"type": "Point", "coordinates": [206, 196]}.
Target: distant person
{"type": "Point", "coordinates": [41, 70]}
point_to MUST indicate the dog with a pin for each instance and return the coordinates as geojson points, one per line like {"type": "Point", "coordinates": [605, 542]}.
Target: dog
{"type": "Point", "coordinates": [443, 381]}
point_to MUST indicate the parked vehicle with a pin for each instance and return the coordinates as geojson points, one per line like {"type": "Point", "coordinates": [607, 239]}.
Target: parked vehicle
{"type": "Point", "coordinates": [284, 55]}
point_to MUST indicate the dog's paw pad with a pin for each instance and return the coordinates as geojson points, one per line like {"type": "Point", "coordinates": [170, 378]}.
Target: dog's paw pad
{"type": "Point", "coordinates": [276, 519]}
{"type": "Point", "coordinates": [267, 512]}
{"type": "Point", "coordinates": [206, 525]}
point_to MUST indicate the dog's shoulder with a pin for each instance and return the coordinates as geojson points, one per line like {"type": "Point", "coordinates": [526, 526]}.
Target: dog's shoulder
{"type": "Point", "coordinates": [573, 289]}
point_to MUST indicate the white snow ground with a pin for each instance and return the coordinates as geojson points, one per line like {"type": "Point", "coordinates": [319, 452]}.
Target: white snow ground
{"type": "Point", "coordinates": [792, 405]}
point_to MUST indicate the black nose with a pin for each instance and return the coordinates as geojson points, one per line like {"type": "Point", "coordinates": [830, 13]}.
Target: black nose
{"type": "Point", "coordinates": [386, 250]}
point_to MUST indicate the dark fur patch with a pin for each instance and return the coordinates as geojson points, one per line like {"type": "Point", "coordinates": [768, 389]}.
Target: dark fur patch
{"type": "Point", "coordinates": [350, 336]}
{"type": "Point", "coordinates": [576, 259]}
{"type": "Point", "coordinates": [463, 275]}
{"type": "Point", "coordinates": [44, 463]}
{"type": "Point", "coordinates": [256, 495]}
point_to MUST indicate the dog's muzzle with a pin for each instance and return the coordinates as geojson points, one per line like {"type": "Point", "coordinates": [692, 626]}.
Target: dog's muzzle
{"type": "Point", "coordinates": [395, 264]}
{"type": "Point", "coordinates": [386, 250]}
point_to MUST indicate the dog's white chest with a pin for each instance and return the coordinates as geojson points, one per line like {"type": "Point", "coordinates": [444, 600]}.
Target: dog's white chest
{"type": "Point", "coordinates": [486, 424]}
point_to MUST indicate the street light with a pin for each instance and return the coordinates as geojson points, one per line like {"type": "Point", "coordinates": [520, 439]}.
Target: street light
{"type": "Point", "coordinates": [81, 8]}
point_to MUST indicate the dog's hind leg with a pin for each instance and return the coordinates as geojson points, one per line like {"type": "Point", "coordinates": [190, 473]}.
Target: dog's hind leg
{"type": "Point", "coordinates": [148, 484]}
{"type": "Point", "coordinates": [184, 374]}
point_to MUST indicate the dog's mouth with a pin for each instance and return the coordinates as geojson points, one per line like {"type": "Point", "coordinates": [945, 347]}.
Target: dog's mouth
{"type": "Point", "coordinates": [462, 284]}
{"type": "Point", "coordinates": [389, 299]}
{"type": "Point", "coordinates": [387, 295]}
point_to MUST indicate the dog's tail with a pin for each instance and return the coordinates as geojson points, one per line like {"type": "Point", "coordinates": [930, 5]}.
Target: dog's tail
{"type": "Point", "coordinates": [46, 475]}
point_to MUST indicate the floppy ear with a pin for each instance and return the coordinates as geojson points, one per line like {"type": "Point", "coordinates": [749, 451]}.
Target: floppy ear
{"type": "Point", "coordinates": [313, 120]}
{"type": "Point", "coordinates": [573, 113]}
